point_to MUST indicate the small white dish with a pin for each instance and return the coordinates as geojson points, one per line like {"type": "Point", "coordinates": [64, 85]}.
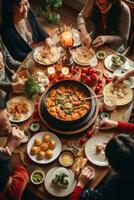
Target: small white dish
{"type": "Point", "coordinates": [110, 103]}
{"type": "Point", "coordinates": [109, 64]}
{"type": "Point", "coordinates": [37, 177]}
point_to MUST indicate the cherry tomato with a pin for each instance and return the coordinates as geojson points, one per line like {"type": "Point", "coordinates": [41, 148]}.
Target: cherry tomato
{"type": "Point", "coordinates": [52, 77]}
{"type": "Point", "coordinates": [83, 76]}
{"type": "Point", "coordinates": [97, 89]}
{"type": "Point", "coordinates": [91, 71]}
{"type": "Point", "coordinates": [89, 134]}
{"type": "Point", "coordinates": [82, 140]}
{"type": "Point", "coordinates": [94, 77]}
{"type": "Point", "coordinates": [88, 81]}
{"type": "Point", "coordinates": [100, 81]}
{"type": "Point", "coordinates": [60, 76]}
{"type": "Point", "coordinates": [84, 70]}
{"type": "Point", "coordinates": [108, 80]}
{"type": "Point", "coordinates": [73, 71]}
{"type": "Point", "coordinates": [100, 85]}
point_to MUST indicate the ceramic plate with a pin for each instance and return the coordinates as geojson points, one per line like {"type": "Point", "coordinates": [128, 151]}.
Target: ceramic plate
{"type": "Point", "coordinates": [92, 62]}
{"type": "Point", "coordinates": [122, 92]}
{"type": "Point", "coordinates": [12, 105]}
{"type": "Point", "coordinates": [39, 60]}
{"type": "Point", "coordinates": [110, 67]}
{"type": "Point", "coordinates": [56, 151]}
{"type": "Point", "coordinates": [57, 191]}
{"type": "Point", "coordinates": [90, 149]}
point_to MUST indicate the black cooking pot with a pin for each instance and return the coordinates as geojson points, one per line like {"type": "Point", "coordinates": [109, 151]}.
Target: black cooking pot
{"type": "Point", "coordinates": [66, 124]}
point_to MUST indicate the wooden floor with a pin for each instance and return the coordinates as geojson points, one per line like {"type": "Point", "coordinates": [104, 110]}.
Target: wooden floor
{"type": "Point", "coordinates": [67, 16]}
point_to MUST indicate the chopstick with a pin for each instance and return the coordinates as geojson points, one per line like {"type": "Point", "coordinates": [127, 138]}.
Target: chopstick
{"type": "Point", "coordinates": [92, 97]}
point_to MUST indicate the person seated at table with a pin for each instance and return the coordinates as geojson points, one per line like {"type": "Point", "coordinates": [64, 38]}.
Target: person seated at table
{"type": "Point", "coordinates": [20, 29]}
{"type": "Point", "coordinates": [120, 126]}
{"type": "Point", "coordinates": [109, 22]}
{"type": "Point", "coordinates": [13, 182]}
{"type": "Point", "coordinates": [122, 77]}
{"type": "Point", "coordinates": [4, 82]}
{"type": "Point", "coordinates": [10, 63]}
{"type": "Point", "coordinates": [120, 154]}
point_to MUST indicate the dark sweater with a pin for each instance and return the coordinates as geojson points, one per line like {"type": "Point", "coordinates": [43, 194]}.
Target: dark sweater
{"type": "Point", "coordinates": [15, 44]}
{"type": "Point", "coordinates": [117, 188]}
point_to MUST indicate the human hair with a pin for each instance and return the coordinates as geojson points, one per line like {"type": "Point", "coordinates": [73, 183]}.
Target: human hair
{"type": "Point", "coordinates": [120, 154]}
{"type": "Point", "coordinates": [7, 10]}
{"type": "Point", "coordinates": [5, 169]}
{"type": "Point", "coordinates": [113, 17]}
{"type": "Point", "coordinates": [2, 103]}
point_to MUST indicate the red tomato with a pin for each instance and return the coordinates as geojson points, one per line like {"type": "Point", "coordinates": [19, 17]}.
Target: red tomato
{"type": "Point", "coordinates": [91, 71]}
{"type": "Point", "coordinates": [52, 77]}
{"type": "Point", "coordinates": [100, 81]}
{"type": "Point", "coordinates": [97, 89]}
{"type": "Point", "coordinates": [60, 76]}
{"type": "Point", "coordinates": [93, 77]}
{"type": "Point", "coordinates": [88, 81]}
{"type": "Point", "coordinates": [83, 76]}
{"type": "Point", "coordinates": [73, 71]}
{"type": "Point", "coordinates": [84, 70]}
{"type": "Point", "coordinates": [89, 134]}
{"type": "Point", "coordinates": [54, 80]}
{"type": "Point", "coordinates": [83, 140]}
{"type": "Point", "coordinates": [108, 80]}
{"type": "Point", "coordinates": [100, 85]}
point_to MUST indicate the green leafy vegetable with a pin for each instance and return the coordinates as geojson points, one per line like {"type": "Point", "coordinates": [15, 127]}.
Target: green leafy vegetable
{"type": "Point", "coordinates": [31, 87]}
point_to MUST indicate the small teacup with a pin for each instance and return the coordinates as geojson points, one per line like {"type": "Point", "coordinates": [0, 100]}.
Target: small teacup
{"type": "Point", "coordinates": [110, 103]}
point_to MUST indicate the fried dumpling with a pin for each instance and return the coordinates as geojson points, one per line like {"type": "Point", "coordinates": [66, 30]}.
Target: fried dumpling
{"type": "Point", "coordinates": [49, 153]}
{"type": "Point", "coordinates": [44, 146]}
{"type": "Point", "coordinates": [52, 144]}
{"type": "Point", "coordinates": [46, 138]}
{"type": "Point", "coordinates": [37, 142]}
{"type": "Point", "coordinates": [35, 150]}
{"type": "Point", "coordinates": [41, 155]}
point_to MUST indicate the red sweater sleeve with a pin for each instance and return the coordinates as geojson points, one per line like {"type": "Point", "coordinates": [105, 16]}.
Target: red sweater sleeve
{"type": "Point", "coordinates": [76, 193]}
{"type": "Point", "coordinates": [126, 127]}
{"type": "Point", "coordinates": [19, 181]}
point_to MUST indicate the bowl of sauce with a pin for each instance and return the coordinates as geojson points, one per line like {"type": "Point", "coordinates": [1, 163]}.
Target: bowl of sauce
{"type": "Point", "coordinates": [66, 158]}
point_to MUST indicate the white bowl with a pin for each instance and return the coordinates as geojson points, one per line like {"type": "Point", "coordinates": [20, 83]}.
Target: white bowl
{"type": "Point", "coordinates": [110, 103]}
{"type": "Point", "coordinates": [33, 178]}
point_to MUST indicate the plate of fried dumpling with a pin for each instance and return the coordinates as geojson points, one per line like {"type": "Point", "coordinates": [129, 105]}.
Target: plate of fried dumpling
{"type": "Point", "coordinates": [44, 147]}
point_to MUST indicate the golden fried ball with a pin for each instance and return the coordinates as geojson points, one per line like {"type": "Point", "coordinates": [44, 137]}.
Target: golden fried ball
{"type": "Point", "coordinates": [41, 155]}
{"type": "Point", "coordinates": [44, 146]}
{"type": "Point", "coordinates": [46, 138]}
{"type": "Point", "coordinates": [52, 144]}
{"type": "Point", "coordinates": [49, 153]}
{"type": "Point", "coordinates": [34, 150]}
{"type": "Point", "coordinates": [37, 142]}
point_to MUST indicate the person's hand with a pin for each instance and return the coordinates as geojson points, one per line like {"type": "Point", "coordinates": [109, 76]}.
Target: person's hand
{"type": "Point", "coordinates": [117, 79]}
{"type": "Point", "coordinates": [19, 86]}
{"type": "Point", "coordinates": [49, 42]}
{"type": "Point", "coordinates": [14, 139]}
{"type": "Point", "coordinates": [84, 177]}
{"type": "Point", "coordinates": [86, 39]}
{"type": "Point", "coordinates": [107, 124]}
{"type": "Point", "coordinates": [5, 150]}
{"type": "Point", "coordinates": [99, 41]}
